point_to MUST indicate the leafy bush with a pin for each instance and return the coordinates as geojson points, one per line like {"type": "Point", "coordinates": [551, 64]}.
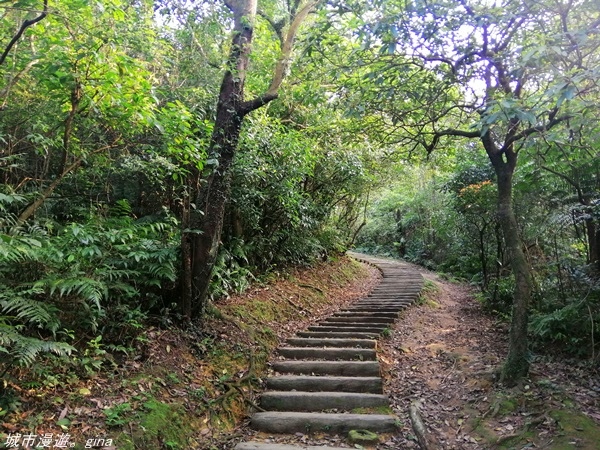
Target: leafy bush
{"type": "Point", "coordinates": [574, 326]}
{"type": "Point", "coordinates": [498, 297]}
{"type": "Point", "coordinates": [76, 277]}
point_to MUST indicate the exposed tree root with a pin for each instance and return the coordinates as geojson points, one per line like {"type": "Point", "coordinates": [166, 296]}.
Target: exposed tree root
{"type": "Point", "coordinates": [418, 426]}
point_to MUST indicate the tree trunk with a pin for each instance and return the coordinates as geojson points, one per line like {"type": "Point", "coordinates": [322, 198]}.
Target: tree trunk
{"type": "Point", "coordinates": [483, 256]}
{"type": "Point", "coordinates": [516, 365]}
{"type": "Point", "coordinates": [593, 240]}
{"type": "Point", "coordinates": [597, 249]}
{"type": "Point", "coordinates": [231, 110]}
{"type": "Point", "coordinates": [214, 192]}
{"type": "Point", "coordinates": [212, 200]}
{"type": "Point", "coordinates": [43, 196]}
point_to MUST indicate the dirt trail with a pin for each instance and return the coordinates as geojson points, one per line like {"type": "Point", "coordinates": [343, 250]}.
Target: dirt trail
{"type": "Point", "coordinates": [444, 355]}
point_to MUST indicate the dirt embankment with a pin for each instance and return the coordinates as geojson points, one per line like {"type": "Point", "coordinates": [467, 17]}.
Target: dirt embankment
{"type": "Point", "coordinates": [444, 355]}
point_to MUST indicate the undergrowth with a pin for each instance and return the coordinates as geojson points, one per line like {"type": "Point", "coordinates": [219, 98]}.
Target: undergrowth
{"type": "Point", "coordinates": [178, 389]}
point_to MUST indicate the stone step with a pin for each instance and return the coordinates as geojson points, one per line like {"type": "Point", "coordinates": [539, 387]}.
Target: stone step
{"type": "Point", "coordinates": [360, 318]}
{"type": "Point", "coordinates": [399, 280]}
{"type": "Point", "coordinates": [390, 295]}
{"type": "Point", "coordinates": [363, 309]}
{"type": "Point", "coordinates": [390, 299]}
{"type": "Point", "coordinates": [402, 287]}
{"type": "Point", "coordinates": [337, 335]}
{"type": "Point", "coordinates": [332, 384]}
{"type": "Point", "coordinates": [368, 328]}
{"type": "Point", "coordinates": [341, 368]}
{"type": "Point", "coordinates": [378, 306]}
{"type": "Point", "coordinates": [356, 323]}
{"type": "Point", "coordinates": [394, 293]}
{"type": "Point", "coordinates": [391, 303]}
{"type": "Point", "coordinates": [331, 354]}
{"type": "Point", "coordinates": [382, 307]}
{"type": "Point", "coordinates": [320, 401]}
{"type": "Point", "coordinates": [332, 342]}
{"type": "Point", "coordinates": [405, 279]}
{"type": "Point", "coordinates": [387, 309]}
{"type": "Point", "coordinates": [306, 422]}
{"type": "Point", "coordinates": [306, 383]}
{"type": "Point", "coordinates": [269, 446]}
{"type": "Point", "coordinates": [346, 313]}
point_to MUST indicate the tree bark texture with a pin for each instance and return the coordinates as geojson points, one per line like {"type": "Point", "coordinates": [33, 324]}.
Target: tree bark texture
{"type": "Point", "coordinates": [516, 365]}
{"type": "Point", "coordinates": [214, 191]}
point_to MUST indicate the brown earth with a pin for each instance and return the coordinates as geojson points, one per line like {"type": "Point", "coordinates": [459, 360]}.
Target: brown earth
{"type": "Point", "coordinates": [444, 356]}
{"type": "Point", "coordinates": [192, 390]}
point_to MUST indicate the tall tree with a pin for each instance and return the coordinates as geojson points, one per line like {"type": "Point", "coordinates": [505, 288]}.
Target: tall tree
{"type": "Point", "coordinates": [200, 246]}
{"type": "Point", "coordinates": [503, 73]}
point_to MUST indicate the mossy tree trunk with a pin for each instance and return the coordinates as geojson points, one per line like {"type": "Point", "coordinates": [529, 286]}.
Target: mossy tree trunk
{"type": "Point", "coordinates": [214, 192]}
{"type": "Point", "coordinates": [504, 162]}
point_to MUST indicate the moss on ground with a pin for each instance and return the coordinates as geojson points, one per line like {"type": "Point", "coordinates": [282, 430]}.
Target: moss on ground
{"type": "Point", "coordinates": [577, 431]}
{"type": "Point", "coordinates": [571, 428]}
{"type": "Point", "coordinates": [158, 425]}
{"type": "Point", "coordinates": [374, 410]}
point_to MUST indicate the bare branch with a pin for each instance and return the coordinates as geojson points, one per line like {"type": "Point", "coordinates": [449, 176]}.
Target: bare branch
{"type": "Point", "coordinates": [552, 122]}
{"type": "Point", "coordinates": [24, 26]}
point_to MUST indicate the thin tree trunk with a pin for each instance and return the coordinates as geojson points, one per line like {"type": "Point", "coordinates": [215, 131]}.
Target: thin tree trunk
{"type": "Point", "coordinates": [186, 255]}
{"type": "Point", "coordinates": [231, 110]}
{"type": "Point", "coordinates": [593, 233]}
{"type": "Point", "coordinates": [516, 365]}
{"type": "Point", "coordinates": [33, 206]}
{"type": "Point", "coordinates": [483, 255]}
{"type": "Point", "coordinates": [26, 24]}
{"type": "Point", "coordinates": [30, 210]}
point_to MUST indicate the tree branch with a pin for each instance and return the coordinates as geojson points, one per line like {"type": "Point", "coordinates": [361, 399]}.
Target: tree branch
{"type": "Point", "coordinates": [537, 129]}
{"type": "Point", "coordinates": [257, 102]}
{"type": "Point", "coordinates": [283, 62]}
{"type": "Point", "coordinates": [569, 180]}
{"type": "Point", "coordinates": [24, 26]}
{"type": "Point", "coordinates": [450, 132]}
{"type": "Point", "coordinates": [276, 26]}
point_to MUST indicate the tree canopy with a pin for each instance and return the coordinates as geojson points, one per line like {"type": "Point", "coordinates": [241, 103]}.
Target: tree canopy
{"type": "Point", "coordinates": [156, 156]}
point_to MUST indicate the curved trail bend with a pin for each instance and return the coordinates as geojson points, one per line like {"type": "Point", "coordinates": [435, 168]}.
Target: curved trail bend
{"type": "Point", "coordinates": [328, 380]}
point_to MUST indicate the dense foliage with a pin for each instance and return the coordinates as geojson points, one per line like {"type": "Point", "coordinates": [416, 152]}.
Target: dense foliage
{"type": "Point", "coordinates": [514, 81]}
{"type": "Point", "coordinates": [112, 136]}
{"type": "Point", "coordinates": [105, 126]}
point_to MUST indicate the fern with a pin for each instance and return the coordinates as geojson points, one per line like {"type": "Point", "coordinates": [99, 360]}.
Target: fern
{"type": "Point", "coordinates": [24, 350]}
{"type": "Point", "coordinates": [6, 200]}
{"type": "Point", "coordinates": [87, 289]}
{"type": "Point", "coordinates": [16, 249]}
{"type": "Point", "coordinates": [30, 311]}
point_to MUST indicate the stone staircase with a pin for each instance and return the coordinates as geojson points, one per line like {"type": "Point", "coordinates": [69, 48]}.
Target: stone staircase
{"type": "Point", "coordinates": [328, 380]}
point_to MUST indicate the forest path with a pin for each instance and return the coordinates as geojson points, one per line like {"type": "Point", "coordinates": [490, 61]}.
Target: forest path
{"type": "Point", "coordinates": [328, 382]}
{"type": "Point", "coordinates": [444, 355]}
